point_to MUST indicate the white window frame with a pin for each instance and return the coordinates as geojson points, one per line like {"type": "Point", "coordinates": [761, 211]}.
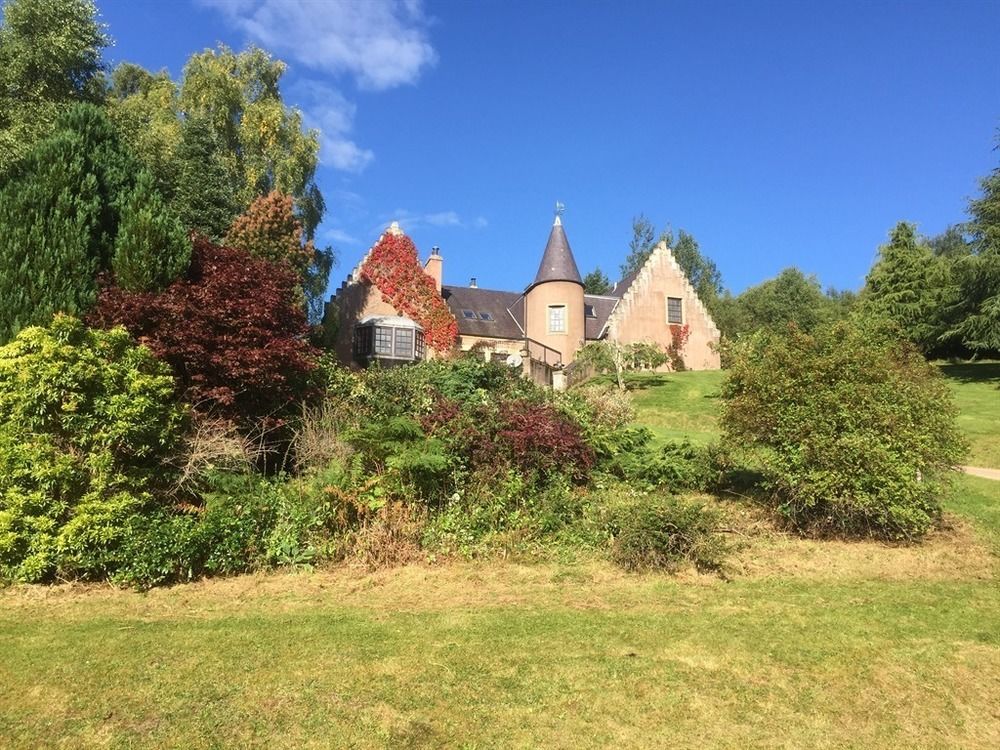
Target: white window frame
{"type": "Point", "coordinates": [564, 329]}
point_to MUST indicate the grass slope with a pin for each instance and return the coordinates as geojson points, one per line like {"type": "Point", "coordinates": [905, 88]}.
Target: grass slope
{"type": "Point", "coordinates": [676, 406]}
{"type": "Point", "coordinates": [505, 656]}
{"type": "Point", "coordinates": [812, 644]}
{"type": "Point", "coordinates": [977, 393]}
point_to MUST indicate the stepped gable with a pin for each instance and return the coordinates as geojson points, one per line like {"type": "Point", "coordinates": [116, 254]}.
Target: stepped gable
{"type": "Point", "coordinates": [635, 284]}
{"type": "Point", "coordinates": [355, 275]}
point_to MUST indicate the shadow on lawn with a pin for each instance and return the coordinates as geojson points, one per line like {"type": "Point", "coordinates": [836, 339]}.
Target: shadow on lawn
{"type": "Point", "coordinates": [973, 372]}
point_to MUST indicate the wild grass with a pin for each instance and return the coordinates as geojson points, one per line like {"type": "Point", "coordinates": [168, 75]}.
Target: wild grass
{"type": "Point", "coordinates": [810, 643]}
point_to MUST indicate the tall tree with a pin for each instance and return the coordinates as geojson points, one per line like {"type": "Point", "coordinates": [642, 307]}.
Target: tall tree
{"type": "Point", "coordinates": [50, 57]}
{"type": "Point", "coordinates": [263, 141]}
{"type": "Point", "coordinates": [144, 107]}
{"type": "Point", "coordinates": [61, 210]}
{"type": "Point", "coordinates": [223, 126]}
{"type": "Point", "coordinates": [790, 297]}
{"type": "Point", "coordinates": [700, 270]}
{"type": "Point", "coordinates": [596, 282]}
{"type": "Point", "coordinates": [977, 275]}
{"type": "Point", "coordinates": [904, 287]}
{"type": "Point", "coordinates": [204, 194]}
{"type": "Point", "coordinates": [640, 247]}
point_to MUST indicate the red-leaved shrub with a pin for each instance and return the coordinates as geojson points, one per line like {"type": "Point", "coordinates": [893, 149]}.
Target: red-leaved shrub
{"type": "Point", "coordinates": [534, 438]}
{"type": "Point", "coordinates": [231, 329]}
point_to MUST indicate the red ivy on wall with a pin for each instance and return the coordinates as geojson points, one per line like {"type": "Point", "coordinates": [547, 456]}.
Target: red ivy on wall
{"type": "Point", "coordinates": [393, 267]}
{"type": "Point", "coordinates": [679, 335]}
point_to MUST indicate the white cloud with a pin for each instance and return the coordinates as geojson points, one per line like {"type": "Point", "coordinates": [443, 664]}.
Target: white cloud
{"type": "Point", "coordinates": [339, 235]}
{"type": "Point", "coordinates": [443, 219]}
{"type": "Point", "coordinates": [326, 109]}
{"type": "Point", "coordinates": [382, 43]}
{"type": "Point", "coordinates": [412, 220]}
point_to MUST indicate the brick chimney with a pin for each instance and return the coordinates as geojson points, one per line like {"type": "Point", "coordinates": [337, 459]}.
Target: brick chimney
{"type": "Point", "coordinates": [434, 267]}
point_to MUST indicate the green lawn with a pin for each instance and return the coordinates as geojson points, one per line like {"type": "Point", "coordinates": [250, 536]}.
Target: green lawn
{"type": "Point", "coordinates": [977, 393]}
{"type": "Point", "coordinates": [678, 405]}
{"type": "Point", "coordinates": [810, 644]}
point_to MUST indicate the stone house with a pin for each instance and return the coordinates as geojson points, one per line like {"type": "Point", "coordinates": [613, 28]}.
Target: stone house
{"type": "Point", "coordinates": [539, 329]}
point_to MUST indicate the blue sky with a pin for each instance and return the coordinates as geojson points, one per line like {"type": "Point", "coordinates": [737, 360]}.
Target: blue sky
{"type": "Point", "coordinates": [778, 133]}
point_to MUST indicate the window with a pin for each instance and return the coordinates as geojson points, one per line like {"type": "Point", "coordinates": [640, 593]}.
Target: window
{"type": "Point", "coordinates": [557, 318]}
{"type": "Point", "coordinates": [588, 311]}
{"type": "Point", "coordinates": [485, 316]}
{"type": "Point", "coordinates": [363, 337]}
{"type": "Point", "coordinates": [388, 338]}
{"type": "Point", "coordinates": [404, 343]}
{"type": "Point", "coordinates": [383, 341]}
{"type": "Point", "coordinates": [468, 315]}
{"type": "Point", "coordinates": [675, 310]}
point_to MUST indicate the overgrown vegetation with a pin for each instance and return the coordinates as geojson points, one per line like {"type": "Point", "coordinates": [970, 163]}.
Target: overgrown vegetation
{"type": "Point", "coordinates": [853, 432]}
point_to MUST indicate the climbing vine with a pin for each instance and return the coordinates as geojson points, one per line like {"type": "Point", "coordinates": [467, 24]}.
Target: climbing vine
{"type": "Point", "coordinates": [393, 267]}
{"type": "Point", "coordinates": [679, 335]}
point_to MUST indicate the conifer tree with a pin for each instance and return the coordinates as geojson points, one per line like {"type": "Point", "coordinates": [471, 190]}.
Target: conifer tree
{"type": "Point", "coordinates": [204, 200]}
{"type": "Point", "coordinates": [905, 286]}
{"type": "Point", "coordinates": [977, 307]}
{"type": "Point", "coordinates": [596, 282]}
{"type": "Point", "coordinates": [151, 247]}
{"type": "Point", "coordinates": [50, 228]}
{"type": "Point", "coordinates": [60, 214]}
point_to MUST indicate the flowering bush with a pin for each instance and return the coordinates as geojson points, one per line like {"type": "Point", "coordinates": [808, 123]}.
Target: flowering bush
{"type": "Point", "coordinates": [394, 269]}
{"type": "Point", "coordinates": [231, 330]}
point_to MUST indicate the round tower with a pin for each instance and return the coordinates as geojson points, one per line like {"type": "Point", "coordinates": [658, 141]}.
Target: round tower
{"type": "Point", "coordinates": [553, 304]}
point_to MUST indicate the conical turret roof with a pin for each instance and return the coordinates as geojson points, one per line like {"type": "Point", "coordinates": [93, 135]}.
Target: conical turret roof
{"type": "Point", "coordinates": [557, 263]}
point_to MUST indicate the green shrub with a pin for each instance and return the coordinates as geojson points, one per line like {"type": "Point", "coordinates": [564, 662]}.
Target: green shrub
{"type": "Point", "coordinates": [664, 532]}
{"type": "Point", "coordinates": [852, 431]}
{"type": "Point", "coordinates": [87, 427]}
{"type": "Point", "coordinates": [504, 510]}
{"type": "Point", "coordinates": [415, 467]}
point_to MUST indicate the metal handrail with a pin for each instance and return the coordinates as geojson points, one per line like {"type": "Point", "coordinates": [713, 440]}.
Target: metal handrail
{"type": "Point", "coordinates": [546, 351]}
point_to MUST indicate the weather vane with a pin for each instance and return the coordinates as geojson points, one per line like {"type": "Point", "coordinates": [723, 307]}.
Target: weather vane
{"type": "Point", "coordinates": [560, 208]}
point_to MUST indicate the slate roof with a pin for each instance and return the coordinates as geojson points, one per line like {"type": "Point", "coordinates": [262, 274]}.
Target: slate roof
{"type": "Point", "coordinates": [558, 263]}
{"type": "Point", "coordinates": [602, 307]}
{"type": "Point", "coordinates": [494, 303]}
{"type": "Point", "coordinates": [622, 286]}
{"type": "Point", "coordinates": [507, 312]}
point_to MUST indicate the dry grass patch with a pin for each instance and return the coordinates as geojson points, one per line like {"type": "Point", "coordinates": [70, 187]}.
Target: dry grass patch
{"type": "Point", "coordinates": [953, 552]}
